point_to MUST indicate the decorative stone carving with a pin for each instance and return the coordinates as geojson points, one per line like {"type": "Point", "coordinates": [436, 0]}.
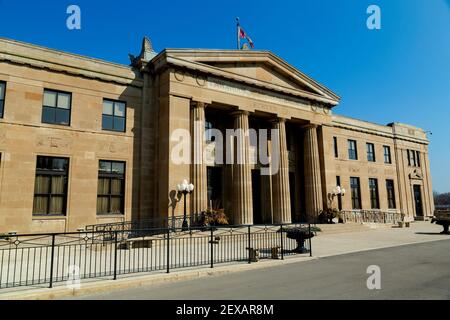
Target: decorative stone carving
{"type": "Point", "coordinates": [201, 80]}
{"type": "Point", "coordinates": [179, 75]}
{"type": "Point", "coordinates": [147, 53]}
{"type": "Point", "coordinates": [416, 175]}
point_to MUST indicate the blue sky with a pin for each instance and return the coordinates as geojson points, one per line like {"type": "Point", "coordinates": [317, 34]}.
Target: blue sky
{"type": "Point", "coordinates": [399, 73]}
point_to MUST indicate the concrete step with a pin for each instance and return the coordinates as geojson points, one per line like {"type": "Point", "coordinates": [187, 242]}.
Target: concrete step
{"type": "Point", "coordinates": [344, 228]}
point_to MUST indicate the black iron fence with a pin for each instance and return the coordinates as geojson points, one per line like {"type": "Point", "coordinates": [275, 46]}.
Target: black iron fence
{"type": "Point", "coordinates": [45, 259]}
{"type": "Point", "coordinates": [175, 222]}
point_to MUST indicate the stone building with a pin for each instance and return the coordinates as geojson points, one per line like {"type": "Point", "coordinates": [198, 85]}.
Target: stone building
{"type": "Point", "coordinates": [84, 141]}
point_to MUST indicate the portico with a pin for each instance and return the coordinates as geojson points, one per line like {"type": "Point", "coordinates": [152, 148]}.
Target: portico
{"type": "Point", "coordinates": [241, 91]}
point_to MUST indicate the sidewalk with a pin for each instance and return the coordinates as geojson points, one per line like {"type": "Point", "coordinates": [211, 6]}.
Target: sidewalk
{"type": "Point", "coordinates": [323, 245]}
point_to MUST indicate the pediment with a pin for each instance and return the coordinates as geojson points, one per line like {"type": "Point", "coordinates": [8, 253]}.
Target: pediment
{"type": "Point", "coordinates": [263, 72]}
{"type": "Point", "coordinates": [261, 68]}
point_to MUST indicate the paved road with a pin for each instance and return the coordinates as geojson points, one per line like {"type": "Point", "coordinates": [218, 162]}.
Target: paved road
{"type": "Point", "coordinates": [419, 271]}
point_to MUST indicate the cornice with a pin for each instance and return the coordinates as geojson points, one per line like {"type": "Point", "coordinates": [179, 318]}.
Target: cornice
{"type": "Point", "coordinates": [391, 135]}
{"type": "Point", "coordinates": [62, 62]}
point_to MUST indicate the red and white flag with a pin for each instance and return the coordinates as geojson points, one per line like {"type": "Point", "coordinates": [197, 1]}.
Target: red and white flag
{"type": "Point", "coordinates": [243, 35]}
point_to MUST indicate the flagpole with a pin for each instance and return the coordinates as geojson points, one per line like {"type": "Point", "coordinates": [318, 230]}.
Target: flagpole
{"type": "Point", "coordinates": [238, 33]}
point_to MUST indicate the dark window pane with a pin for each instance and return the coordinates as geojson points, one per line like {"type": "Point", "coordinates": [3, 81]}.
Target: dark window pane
{"type": "Point", "coordinates": [62, 116]}
{"type": "Point", "coordinates": [1, 108]}
{"type": "Point", "coordinates": [48, 115]}
{"type": "Point", "coordinates": [59, 164]}
{"type": "Point", "coordinates": [119, 124]}
{"type": "Point", "coordinates": [111, 187]}
{"type": "Point", "coordinates": [105, 166]}
{"type": "Point", "coordinates": [50, 188]}
{"type": "Point", "coordinates": [107, 122]}
{"type": "Point", "coordinates": [118, 167]}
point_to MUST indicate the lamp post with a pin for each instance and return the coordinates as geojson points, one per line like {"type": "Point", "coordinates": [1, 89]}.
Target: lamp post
{"type": "Point", "coordinates": [185, 188]}
{"type": "Point", "coordinates": [337, 191]}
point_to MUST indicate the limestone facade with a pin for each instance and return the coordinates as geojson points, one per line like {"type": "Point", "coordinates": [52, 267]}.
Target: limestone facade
{"type": "Point", "coordinates": [191, 90]}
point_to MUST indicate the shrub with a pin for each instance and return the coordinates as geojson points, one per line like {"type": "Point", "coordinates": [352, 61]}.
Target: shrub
{"type": "Point", "coordinates": [327, 215]}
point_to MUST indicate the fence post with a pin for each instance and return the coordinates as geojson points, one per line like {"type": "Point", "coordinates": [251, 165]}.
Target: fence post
{"type": "Point", "coordinates": [52, 261]}
{"type": "Point", "coordinates": [168, 249]}
{"type": "Point", "coordinates": [212, 247]}
{"type": "Point", "coordinates": [115, 255]}
{"type": "Point", "coordinates": [282, 242]}
{"type": "Point", "coordinates": [249, 245]}
{"type": "Point", "coordinates": [310, 240]}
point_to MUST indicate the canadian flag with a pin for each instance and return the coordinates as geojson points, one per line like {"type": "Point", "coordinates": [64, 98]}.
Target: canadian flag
{"type": "Point", "coordinates": [244, 35]}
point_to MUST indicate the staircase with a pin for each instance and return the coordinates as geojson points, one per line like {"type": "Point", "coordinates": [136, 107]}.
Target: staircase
{"type": "Point", "coordinates": [347, 227]}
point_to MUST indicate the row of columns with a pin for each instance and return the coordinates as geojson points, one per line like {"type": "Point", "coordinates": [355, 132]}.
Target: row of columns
{"type": "Point", "coordinates": [242, 178]}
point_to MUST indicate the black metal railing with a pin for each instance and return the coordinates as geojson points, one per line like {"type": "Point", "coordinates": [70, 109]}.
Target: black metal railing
{"type": "Point", "coordinates": [163, 222]}
{"type": "Point", "coordinates": [371, 216]}
{"type": "Point", "coordinates": [45, 259]}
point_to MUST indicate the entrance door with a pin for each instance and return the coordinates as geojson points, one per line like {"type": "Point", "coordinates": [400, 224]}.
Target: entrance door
{"type": "Point", "coordinates": [256, 197]}
{"type": "Point", "coordinates": [418, 201]}
{"type": "Point", "coordinates": [214, 180]}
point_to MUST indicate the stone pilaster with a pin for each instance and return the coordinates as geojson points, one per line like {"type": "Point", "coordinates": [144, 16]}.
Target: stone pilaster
{"type": "Point", "coordinates": [242, 175]}
{"type": "Point", "coordinates": [198, 167]}
{"type": "Point", "coordinates": [313, 184]}
{"type": "Point", "coordinates": [281, 193]}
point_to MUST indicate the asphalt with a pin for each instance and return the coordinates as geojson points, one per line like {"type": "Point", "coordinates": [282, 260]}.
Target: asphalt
{"type": "Point", "coordinates": [417, 271]}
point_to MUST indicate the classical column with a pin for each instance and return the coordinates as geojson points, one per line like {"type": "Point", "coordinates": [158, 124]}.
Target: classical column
{"type": "Point", "coordinates": [281, 193]}
{"type": "Point", "coordinates": [198, 168]}
{"type": "Point", "coordinates": [313, 184]}
{"type": "Point", "coordinates": [242, 175]}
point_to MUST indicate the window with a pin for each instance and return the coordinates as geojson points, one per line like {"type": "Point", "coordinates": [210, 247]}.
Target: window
{"type": "Point", "coordinates": [56, 108]}
{"type": "Point", "coordinates": [370, 152]}
{"type": "Point", "coordinates": [111, 187]}
{"type": "Point", "coordinates": [2, 97]}
{"type": "Point", "coordinates": [50, 187]}
{"type": "Point", "coordinates": [387, 154]}
{"type": "Point", "coordinates": [352, 151]}
{"type": "Point", "coordinates": [356, 193]}
{"type": "Point", "coordinates": [373, 188]}
{"type": "Point", "coordinates": [390, 194]}
{"type": "Point", "coordinates": [339, 197]}
{"type": "Point", "coordinates": [114, 115]}
{"type": "Point", "coordinates": [335, 145]}
{"type": "Point", "coordinates": [413, 158]}
{"type": "Point", "coordinates": [418, 158]}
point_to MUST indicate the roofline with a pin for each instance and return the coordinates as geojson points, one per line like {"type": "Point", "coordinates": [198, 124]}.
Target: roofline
{"type": "Point", "coordinates": [60, 61]}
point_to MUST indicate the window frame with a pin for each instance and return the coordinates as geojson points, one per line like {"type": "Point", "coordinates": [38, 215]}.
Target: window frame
{"type": "Point", "coordinates": [388, 193]}
{"type": "Point", "coordinates": [110, 195]}
{"type": "Point", "coordinates": [2, 101]}
{"type": "Point", "coordinates": [356, 201]}
{"type": "Point", "coordinates": [113, 116]}
{"type": "Point", "coordinates": [52, 173]}
{"type": "Point", "coordinates": [352, 152]}
{"type": "Point", "coordinates": [371, 157]}
{"type": "Point", "coordinates": [388, 155]}
{"type": "Point", "coordinates": [374, 194]}
{"type": "Point", "coordinates": [58, 92]}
